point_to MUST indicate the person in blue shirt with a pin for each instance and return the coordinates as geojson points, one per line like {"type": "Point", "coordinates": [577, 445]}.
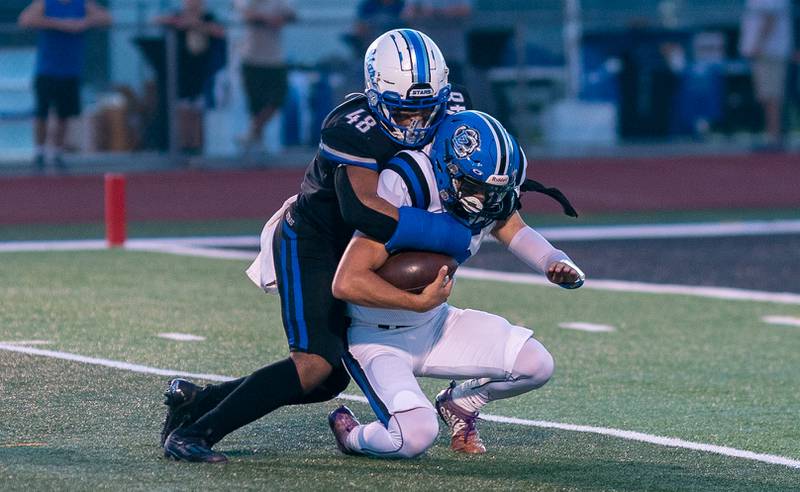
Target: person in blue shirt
{"type": "Point", "coordinates": [61, 26]}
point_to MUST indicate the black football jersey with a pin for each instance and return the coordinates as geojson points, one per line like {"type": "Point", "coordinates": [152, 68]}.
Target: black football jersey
{"type": "Point", "coordinates": [351, 136]}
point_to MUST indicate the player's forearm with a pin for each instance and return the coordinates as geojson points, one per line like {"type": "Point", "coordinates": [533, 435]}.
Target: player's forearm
{"type": "Point", "coordinates": [533, 249]}
{"type": "Point", "coordinates": [366, 288]}
{"type": "Point", "coordinates": [361, 209]}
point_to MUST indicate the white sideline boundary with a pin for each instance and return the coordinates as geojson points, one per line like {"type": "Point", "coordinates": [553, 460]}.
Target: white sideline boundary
{"type": "Point", "coordinates": [570, 233]}
{"type": "Point", "coordinates": [672, 442]}
{"type": "Point", "coordinates": [201, 247]}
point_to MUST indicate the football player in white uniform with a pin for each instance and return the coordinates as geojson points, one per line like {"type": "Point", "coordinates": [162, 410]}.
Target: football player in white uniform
{"type": "Point", "coordinates": [475, 172]}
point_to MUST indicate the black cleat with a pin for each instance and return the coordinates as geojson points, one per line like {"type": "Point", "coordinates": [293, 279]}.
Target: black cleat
{"type": "Point", "coordinates": [182, 445]}
{"type": "Point", "coordinates": [179, 399]}
{"type": "Point", "coordinates": [342, 422]}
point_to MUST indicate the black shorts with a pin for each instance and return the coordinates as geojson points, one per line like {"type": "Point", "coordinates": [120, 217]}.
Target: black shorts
{"type": "Point", "coordinates": [61, 93]}
{"type": "Point", "coordinates": [305, 262]}
{"type": "Point", "coordinates": [265, 86]}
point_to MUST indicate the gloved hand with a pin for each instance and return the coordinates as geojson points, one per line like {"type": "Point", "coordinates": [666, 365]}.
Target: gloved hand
{"type": "Point", "coordinates": [566, 274]}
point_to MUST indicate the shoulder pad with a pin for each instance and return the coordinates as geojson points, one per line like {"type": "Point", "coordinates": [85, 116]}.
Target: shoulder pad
{"type": "Point", "coordinates": [408, 165]}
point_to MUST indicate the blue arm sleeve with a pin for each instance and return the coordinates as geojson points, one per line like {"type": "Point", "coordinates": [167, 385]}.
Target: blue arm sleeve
{"type": "Point", "coordinates": [428, 231]}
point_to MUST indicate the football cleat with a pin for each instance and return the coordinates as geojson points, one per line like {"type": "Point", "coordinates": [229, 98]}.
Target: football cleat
{"type": "Point", "coordinates": [183, 445]}
{"type": "Point", "coordinates": [342, 422]}
{"type": "Point", "coordinates": [464, 435]}
{"type": "Point", "coordinates": [179, 399]}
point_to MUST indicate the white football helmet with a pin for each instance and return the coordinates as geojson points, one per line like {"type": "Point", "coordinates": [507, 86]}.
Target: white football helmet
{"type": "Point", "coordinates": [406, 85]}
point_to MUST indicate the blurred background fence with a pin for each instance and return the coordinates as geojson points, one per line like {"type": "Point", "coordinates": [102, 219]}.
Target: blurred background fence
{"type": "Point", "coordinates": [562, 74]}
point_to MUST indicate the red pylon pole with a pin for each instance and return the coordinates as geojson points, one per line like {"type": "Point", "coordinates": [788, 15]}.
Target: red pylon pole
{"type": "Point", "coordinates": [115, 210]}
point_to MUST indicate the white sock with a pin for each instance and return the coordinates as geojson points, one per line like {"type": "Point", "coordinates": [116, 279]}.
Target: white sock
{"type": "Point", "coordinates": [471, 395]}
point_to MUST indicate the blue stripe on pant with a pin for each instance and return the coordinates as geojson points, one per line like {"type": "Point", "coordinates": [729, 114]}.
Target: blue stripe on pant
{"type": "Point", "coordinates": [300, 320]}
{"type": "Point", "coordinates": [358, 375]}
{"type": "Point", "coordinates": [293, 289]}
{"type": "Point", "coordinates": [285, 294]}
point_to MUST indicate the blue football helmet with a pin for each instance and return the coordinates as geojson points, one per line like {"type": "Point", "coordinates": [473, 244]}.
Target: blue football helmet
{"type": "Point", "coordinates": [478, 167]}
{"type": "Point", "coordinates": [406, 85]}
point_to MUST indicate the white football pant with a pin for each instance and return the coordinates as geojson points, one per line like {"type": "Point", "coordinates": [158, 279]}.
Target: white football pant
{"type": "Point", "coordinates": [502, 360]}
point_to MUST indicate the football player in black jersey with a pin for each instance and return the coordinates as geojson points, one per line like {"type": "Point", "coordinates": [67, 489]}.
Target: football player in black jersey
{"type": "Point", "coordinates": [407, 95]}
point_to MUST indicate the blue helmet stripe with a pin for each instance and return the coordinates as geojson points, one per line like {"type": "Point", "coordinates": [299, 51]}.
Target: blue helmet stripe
{"type": "Point", "coordinates": [420, 55]}
{"type": "Point", "coordinates": [503, 141]}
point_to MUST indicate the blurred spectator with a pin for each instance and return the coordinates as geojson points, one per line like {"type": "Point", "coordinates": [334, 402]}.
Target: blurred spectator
{"type": "Point", "coordinates": [766, 39]}
{"type": "Point", "coordinates": [59, 63]}
{"type": "Point", "coordinates": [373, 18]}
{"type": "Point", "coordinates": [445, 21]}
{"type": "Point", "coordinates": [197, 31]}
{"type": "Point", "coordinates": [264, 70]}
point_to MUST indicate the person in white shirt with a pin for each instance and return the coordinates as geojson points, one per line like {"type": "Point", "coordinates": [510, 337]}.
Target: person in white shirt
{"type": "Point", "coordinates": [766, 40]}
{"type": "Point", "coordinates": [264, 72]}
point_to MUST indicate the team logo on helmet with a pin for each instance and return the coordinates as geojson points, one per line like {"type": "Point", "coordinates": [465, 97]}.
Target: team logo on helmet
{"type": "Point", "coordinates": [465, 141]}
{"type": "Point", "coordinates": [371, 65]}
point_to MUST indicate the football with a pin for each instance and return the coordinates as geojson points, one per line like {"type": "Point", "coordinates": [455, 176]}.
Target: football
{"type": "Point", "coordinates": [412, 271]}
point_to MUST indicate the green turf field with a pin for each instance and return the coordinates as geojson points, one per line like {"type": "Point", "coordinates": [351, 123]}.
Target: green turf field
{"type": "Point", "coordinates": [702, 370]}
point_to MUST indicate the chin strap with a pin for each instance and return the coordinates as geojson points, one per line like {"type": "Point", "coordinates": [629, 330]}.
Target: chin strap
{"type": "Point", "coordinates": [554, 193]}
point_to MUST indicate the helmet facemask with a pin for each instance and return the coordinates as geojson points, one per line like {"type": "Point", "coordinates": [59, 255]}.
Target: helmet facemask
{"type": "Point", "coordinates": [406, 86]}
{"type": "Point", "coordinates": [477, 166]}
{"type": "Point", "coordinates": [411, 121]}
{"type": "Point", "coordinates": [475, 203]}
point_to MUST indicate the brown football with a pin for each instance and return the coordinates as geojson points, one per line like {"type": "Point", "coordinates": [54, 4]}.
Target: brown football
{"type": "Point", "coordinates": [412, 271]}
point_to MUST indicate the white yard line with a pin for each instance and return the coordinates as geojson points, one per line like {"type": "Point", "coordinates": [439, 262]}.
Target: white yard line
{"type": "Point", "coordinates": [590, 327]}
{"type": "Point", "coordinates": [159, 246]}
{"type": "Point", "coordinates": [181, 337]}
{"type": "Point", "coordinates": [652, 231]}
{"type": "Point", "coordinates": [577, 233]}
{"type": "Point", "coordinates": [638, 287]}
{"type": "Point", "coordinates": [76, 245]}
{"type": "Point", "coordinates": [781, 320]}
{"type": "Point", "coordinates": [620, 433]}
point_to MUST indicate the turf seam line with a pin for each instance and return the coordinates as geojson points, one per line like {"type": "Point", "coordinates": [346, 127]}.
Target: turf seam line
{"type": "Point", "coordinates": [606, 431]}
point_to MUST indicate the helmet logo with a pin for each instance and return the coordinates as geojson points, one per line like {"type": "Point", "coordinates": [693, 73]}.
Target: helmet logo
{"type": "Point", "coordinates": [420, 92]}
{"type": "Point", "coordinates": [465, 141]}
{"type": "Point", "coordinates": [371, 64]}
{"type": "Point", "coordinates": [498, 179]}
